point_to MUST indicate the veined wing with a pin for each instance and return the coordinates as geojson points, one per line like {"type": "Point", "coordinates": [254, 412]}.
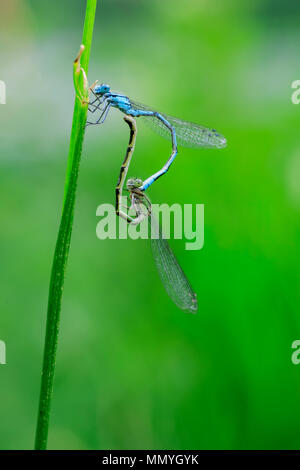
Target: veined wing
{"type": "Point", "coordinates": [170, 272]}
{"type": "Point", "coordinates": [188, 134]}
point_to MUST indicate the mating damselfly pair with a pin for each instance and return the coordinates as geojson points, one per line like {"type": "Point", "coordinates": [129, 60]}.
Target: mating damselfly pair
{"type": "Point", "coordinates": [181, 132]}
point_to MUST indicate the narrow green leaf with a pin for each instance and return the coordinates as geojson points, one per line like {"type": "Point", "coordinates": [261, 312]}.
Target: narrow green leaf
{"type": "Point", "coordinates": [80, 69]}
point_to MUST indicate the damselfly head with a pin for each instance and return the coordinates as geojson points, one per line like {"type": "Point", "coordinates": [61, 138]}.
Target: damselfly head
{"type": "Point", "coordinates": [134, 183]}
{"type": "Point", "coordinates": [101, 89]}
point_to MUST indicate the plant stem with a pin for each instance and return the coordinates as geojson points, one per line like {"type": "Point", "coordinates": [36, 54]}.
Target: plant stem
{"type": "Point", "coordinates": [65, 228]}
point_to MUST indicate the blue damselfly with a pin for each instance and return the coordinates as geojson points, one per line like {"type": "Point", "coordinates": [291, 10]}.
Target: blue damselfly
{"type": "Point", "coordinates": [179, 132]}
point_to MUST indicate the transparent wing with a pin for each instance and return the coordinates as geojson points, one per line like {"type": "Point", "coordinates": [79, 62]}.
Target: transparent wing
{"type": "Point", "coordinates": [188, 134]}
{"type": "Point", "coordinates": [170, 272]}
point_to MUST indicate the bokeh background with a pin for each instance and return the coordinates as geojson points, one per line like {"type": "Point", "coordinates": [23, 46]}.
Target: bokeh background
{"type": "Point", "coordinates": [133, 371]}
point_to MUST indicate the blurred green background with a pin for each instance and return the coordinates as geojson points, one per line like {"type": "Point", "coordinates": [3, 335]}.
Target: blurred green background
{"type": "Point", "coordinates": [133, 371]}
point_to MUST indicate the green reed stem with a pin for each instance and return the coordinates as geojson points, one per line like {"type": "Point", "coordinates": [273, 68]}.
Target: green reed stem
{"type": "Point", "coordinates": [65, 229]}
